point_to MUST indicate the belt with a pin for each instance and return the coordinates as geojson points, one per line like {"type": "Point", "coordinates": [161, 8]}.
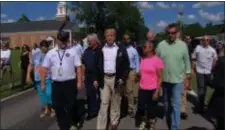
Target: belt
{"type": "Point", "coordinates": [65, 81]}
{"type": "Point", "coordinates": [109, 75]}
{"type": "Point", "coordinates": [131, 69]}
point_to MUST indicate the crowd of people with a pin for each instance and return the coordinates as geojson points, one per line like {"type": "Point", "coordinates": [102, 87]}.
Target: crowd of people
{"type": "Point", "coordinates": [112, 72]}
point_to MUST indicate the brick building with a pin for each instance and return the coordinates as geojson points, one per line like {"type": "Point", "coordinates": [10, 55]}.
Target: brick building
{"type": "Point", "coordinates": [35, 31]}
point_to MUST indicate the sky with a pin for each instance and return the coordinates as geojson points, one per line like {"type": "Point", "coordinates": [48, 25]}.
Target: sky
{"type": "Point", "coordinates": [156, 14]}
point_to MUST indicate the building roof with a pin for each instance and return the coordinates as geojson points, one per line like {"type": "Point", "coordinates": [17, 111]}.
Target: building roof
{"type": "Point", "coordinates": [46, 25]}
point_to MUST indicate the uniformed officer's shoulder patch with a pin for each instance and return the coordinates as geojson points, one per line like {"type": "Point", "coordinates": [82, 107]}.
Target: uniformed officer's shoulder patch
{"type": "Point", "coordinates": [67, 54]}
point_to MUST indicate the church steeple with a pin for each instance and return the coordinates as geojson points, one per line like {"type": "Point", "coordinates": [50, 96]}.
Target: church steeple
{"type": "Point", "coordinates": [61, 11]}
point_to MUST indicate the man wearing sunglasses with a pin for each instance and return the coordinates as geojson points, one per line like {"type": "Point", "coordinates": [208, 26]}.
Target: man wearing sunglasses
{"type": "Point", "coordinates": [174, 54]}
{"type": "Point", "coordinates": [204, 59]}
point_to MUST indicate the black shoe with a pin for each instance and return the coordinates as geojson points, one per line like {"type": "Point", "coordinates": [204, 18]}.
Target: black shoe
{"type": "Point", "coordinates": [91, 116]}
{"type": "Point", "coordinates": [131, 114]}
{"type": "Point", "coordinates": [183, 116]}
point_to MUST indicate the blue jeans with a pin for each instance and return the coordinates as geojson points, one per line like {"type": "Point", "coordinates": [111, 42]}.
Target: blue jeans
{"type": "Point", "coordinates": [46, 95]}
{"type": "Point", "coordinates": [172, 100]}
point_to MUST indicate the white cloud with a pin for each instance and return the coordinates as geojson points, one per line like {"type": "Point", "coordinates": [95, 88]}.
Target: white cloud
{"type": "Point", "coordinates": [145, 5]}
{"type": "Point", "coordinates": [174, 5]}
{"type": "Point", "coordinates": [163, 5]}
{"type": "Point", "coordinates": [82, 25]}
{"type": "Point", "coordinates": [191, 16]}
{"type": "Point", "coordinates": [211, 17]}
{"type": "Point", "coordinates": [206, 4]}
{"type": "Point", "coordinates": [3, 15]}
{"type": "Point", "coordinates": [41, 18]}
{"type": "Point", "coordinates": [8, 21]}
{"type": "Point", "coordinates": [162, 24]}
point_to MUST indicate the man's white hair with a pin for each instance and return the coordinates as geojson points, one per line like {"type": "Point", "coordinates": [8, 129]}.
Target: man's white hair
{"type": "Point", "coordinates": [93, 36]}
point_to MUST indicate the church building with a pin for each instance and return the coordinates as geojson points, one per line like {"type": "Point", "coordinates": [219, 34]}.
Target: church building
{"type": "Point", "coordinates": [33, 32]}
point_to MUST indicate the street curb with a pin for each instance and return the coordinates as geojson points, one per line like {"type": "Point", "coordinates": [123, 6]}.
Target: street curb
{"type": "Point", "coordinates": [16, 94]}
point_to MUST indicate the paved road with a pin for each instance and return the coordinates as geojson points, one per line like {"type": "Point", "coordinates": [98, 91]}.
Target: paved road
{"type": "Point", "coordinates": [22, 112]}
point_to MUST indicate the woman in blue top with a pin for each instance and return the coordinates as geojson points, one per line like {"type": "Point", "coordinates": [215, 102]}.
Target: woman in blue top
{"type": "Point", "coordinates": [44, 93]}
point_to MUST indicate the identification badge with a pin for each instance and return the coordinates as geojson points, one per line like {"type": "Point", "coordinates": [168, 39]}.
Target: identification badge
{"type": "Point", "coordinates": [60, 71]}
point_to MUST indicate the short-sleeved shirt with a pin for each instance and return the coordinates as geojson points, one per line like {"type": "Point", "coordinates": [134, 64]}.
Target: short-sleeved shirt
{"type": "Point", "coordinates": [148, 71]}
{"type": "Point", "coordinates": [78, 48]}
{"type": "Point", "coordinates": [35, 51]}
{"type": "Point", "coordinates": [6, 55]}
{"type": "Point", "coordinates": [38, 59]}
{"type": "Point", "coordinates": [204, 59]}
{"type": "Point", "coordinates": [65, 71]}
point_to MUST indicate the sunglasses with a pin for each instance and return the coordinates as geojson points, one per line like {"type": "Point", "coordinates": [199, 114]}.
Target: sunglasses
{"type": "Point", "coordinates": [205, 39]}
{"type": "Point", "coordinates": [172, 33]}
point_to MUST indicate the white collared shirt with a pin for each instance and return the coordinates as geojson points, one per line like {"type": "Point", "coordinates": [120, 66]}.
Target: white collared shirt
{"type": "Point", "coordinates": [34, 51]}
{"type": "Point", "coordinates": [204, 59]}
{"type": "Point", "coordinates": [70, 60]}
{"type": "Point", "coordinates": [78, 48]}
{"type": "Point", "coordinates": [6, 55]}
{"type": "Point", "coordinates": [110, 53]}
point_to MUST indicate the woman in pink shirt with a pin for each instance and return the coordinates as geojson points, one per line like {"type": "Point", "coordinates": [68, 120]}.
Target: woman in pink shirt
{"type": "Point", "coordinates": [151, 68]}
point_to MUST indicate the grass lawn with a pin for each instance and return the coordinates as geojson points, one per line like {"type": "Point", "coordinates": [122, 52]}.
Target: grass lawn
{"type": "Point", "coordinates": [208, 93]}
{"type": "Point", "coordinates": [4, 88]}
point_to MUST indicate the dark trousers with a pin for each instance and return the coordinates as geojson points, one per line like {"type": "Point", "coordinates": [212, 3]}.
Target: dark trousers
{"type": "Point", "coordinates": [145, 101]}
{"type": "Point", "coordinates": [92, 96]}
{"type": "Point", "coordinates": [218, 112]}
{"type": "Point", "coordinates": [63, 101]}
{"type": "Point", "coordinates": [202, 81]}
{"type": "Point", "coordinates": [23, 77]}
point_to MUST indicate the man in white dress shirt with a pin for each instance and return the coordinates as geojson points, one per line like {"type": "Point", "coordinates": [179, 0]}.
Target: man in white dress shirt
{"type": "Point", "coordinates": [204, 60]}
{"type": "Point", "coordinates": [112, 71]}
{"type": "Point", "coordinates": [77, 47]}
{"type": "Point", "coordinates": [65, 67]}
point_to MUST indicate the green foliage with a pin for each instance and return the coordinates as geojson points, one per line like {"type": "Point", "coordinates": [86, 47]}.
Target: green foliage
{"type": "Point", "coordinates": [23, 18]}
{"type": "Point", "coordinates": [124, 16]}
{"type": "Point", "coordinates": [195, 30]}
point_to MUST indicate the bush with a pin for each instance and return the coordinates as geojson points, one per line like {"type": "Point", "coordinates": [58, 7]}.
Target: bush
{"type": "Point", "coordinates": [17, 48]}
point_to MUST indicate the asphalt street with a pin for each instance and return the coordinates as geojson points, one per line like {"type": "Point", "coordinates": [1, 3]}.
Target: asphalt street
{"type": "Point", "coordinates": [22, 112]}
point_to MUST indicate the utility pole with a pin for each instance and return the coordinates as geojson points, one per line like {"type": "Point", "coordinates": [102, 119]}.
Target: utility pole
{"type": "Point", "coordinates": [180, 15]}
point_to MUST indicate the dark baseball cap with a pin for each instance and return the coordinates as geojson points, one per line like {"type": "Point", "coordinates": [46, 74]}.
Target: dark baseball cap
{"type": "Point", "coordinates": [44, 43]}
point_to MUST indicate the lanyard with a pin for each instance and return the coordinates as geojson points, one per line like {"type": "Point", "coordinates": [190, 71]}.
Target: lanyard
{"type": "Point", "coordinates": [61, 58]}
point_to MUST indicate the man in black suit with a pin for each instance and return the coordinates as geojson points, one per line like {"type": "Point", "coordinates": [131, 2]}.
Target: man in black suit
{"type": "Point", "coordinates": [112, 71]}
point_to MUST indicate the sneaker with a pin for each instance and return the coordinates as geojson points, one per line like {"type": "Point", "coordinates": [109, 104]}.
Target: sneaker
{"type": "Point", "coordinates": [44, 114]}
{"type": "Point", "coordinates": [152, 123]}
{"type": "Point", "coordinates": [142, 126]}
{"type": "Point", "coordinates": [73, 128]}
{"type": "Point", "coordinates": [52, 113]}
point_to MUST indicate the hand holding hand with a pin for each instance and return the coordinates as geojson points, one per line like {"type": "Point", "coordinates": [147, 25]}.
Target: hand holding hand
{"type": "Point", "coordinates": [79, 85]}
{"type": "Point", "coordinates": [156, 95]}
{"type": "Point", "coordinates": [186, 83]}
{"type": "Point", "coordinates": [95, 84]}
{"type": "Point", "coordinates": [120, 81]}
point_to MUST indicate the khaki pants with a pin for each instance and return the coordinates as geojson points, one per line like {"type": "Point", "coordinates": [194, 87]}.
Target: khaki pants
{"type": "Point", "coordinates": [184, 103]}
{"type": "Point", "coordinates": [131, 91]}
{"type": "Point", "coordinates": [109, 97]}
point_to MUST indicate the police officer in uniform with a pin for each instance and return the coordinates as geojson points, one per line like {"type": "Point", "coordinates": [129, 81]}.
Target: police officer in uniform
{"type": "Point", "coordinates": [64, 65]}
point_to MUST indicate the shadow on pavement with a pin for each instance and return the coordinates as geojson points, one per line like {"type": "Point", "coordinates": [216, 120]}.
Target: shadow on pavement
{"type": "Point", "coordinates": [196, 128]}
{"type": "Point", "coordinates": [34, 122]}
{"type": "Point", "coordinates": [206, 115]}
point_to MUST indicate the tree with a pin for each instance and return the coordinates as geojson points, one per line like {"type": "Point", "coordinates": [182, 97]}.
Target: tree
{"type": "Point", "coordinates": [124, 16]}
{"type": "Point", "coordinates": [23, 18]}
